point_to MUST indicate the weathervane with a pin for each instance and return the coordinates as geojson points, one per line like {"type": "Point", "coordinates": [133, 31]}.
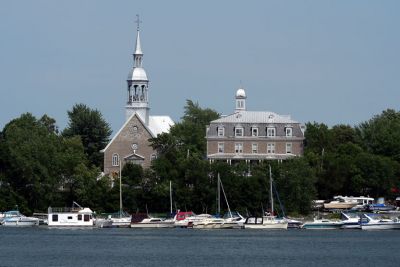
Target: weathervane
{"type": "Point", "coordinates": [138, 21]}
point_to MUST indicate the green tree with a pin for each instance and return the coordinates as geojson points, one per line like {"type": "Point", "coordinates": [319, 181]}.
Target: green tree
{"type": "Point", "coordinates": [93, 130]}
{"type": "Point", "coordinates": [381, 134]}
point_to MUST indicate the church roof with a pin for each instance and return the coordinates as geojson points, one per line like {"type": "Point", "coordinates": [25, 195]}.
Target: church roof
{"type": "Point", "coordinates": [160, 124]}
{"type": "Point", "coordinates": [157, 125]}
{"type": "Point", "coordinates": [255, 117]}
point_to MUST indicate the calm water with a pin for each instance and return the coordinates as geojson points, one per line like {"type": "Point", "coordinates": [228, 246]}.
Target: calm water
{"type": "Point", "coordinates": [183, 247]}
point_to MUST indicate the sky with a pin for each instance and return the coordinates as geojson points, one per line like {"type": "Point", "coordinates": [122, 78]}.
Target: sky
{"type": "Point", "coordinates": [332, 62]}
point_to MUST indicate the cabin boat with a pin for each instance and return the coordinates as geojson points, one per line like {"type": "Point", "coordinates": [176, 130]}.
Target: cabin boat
{"type": "Point", "coordinates": [340, 202]}
{"type": "Point", "coordinates": [265, 222]}
{"type": "Point", "coordinates": [70, 217]}
{"type": "Point", "coordinates": [15, 218]}
{"type": "Point", "coordinates": [350, 221]}
{"type": "Point", "coordinates": [374, 222]}
{"type": "Point", "coordinates": [322, 224]}
{"type": "Point", "coordinates": [143, 220]}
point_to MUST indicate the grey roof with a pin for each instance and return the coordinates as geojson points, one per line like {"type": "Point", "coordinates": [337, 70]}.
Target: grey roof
{"type": "Point", "coordinates": [255, 117]}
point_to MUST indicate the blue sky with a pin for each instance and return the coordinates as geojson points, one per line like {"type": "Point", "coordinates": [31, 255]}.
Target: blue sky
{"type": "Point", "coordinates": [325, 61]}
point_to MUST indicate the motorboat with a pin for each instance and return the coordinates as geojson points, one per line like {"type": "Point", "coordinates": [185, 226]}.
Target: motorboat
{"type": "Point", "coordinates": [182, 218]}
{"type": "Point", "coordinates": [265, 222]}
{"type": "Point", "coordinates": [377, 222]}
{"type": "Point", "coordinates": [340, 202]}
{"type": "Point", "coordinates": [293, 224]}
{"type": "Point", "coordinates": [143, 220]}
{"type": "Point", "coordinates": [324, 224]}
{"type": "Point", "coordinates": [350, 221]}
{"type": "Point", "coordinates": [233, 220]}
{"type": "Point", "coordinates": [75, 216]}
{"type": "Point", "coordinates": [116, 220]}
{"type": "Point", "coordinates": [15, 218]}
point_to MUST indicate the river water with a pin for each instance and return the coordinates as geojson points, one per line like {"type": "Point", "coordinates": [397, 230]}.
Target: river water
{"type": "Point", "coordinates": [42, 246]}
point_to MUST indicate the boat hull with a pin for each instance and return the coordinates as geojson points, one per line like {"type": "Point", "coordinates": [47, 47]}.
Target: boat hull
{"type": "Point", "coordinates": [381, 226]}
{"type": "Point", "coordinates": [266, 226]}
{"type": "Point", "coordinates": [152, 225]}
{"type": "Point", "coordinates": [16, 222]}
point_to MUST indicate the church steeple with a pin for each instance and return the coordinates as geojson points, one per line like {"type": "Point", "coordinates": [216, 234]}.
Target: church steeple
{"type": "Point", "coordinates": [138, 84]}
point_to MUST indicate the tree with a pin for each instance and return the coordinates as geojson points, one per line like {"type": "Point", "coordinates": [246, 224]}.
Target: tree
{"type": "Point", "coordinates": [381, 134]}
{"type": "Point", "coordinates": [93, 130]}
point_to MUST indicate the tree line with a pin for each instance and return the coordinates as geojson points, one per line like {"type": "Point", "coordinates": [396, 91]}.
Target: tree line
{"type": "Point", "coordinates": [41, 166]}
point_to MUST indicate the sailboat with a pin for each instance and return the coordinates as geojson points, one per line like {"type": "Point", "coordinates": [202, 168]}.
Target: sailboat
{"type": "Point", "coordinates": [144, 220]}
{"type": "Point", "coordinates": [267, 221]}
{"type": "Point", "coordinates": [121, 219]}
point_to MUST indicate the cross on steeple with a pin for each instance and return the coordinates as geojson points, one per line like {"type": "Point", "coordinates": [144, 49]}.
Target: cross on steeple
{"type": "Point", "coordinates": [138, 21]}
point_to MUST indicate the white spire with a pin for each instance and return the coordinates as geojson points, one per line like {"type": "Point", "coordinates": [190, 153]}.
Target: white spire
{"type": "Point", "coordinates": [138, 48]}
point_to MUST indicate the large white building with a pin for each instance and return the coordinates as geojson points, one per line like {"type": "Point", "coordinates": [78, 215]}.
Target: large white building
{"type": "Point", "coordinates": [130, 143]}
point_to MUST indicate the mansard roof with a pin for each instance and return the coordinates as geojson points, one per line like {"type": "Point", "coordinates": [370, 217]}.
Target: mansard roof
{"type": "Point", "coordinates": [255, 117]}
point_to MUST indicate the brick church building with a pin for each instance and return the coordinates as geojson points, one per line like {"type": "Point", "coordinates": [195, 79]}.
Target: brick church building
{"type": "Point", "coordinates": [130, 143]}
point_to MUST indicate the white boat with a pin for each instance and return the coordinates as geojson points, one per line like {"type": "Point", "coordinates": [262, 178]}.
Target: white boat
{"type": "Point", "coordinates": [265, 222]}
{"type": "Point", "coordinates": [120, 219]}
{"type": "Point", "coordinates": [15, 218]}
{"type": "Point", "coordinates": [75, 216]}
{"type": "Point", "coordinates": [340, 202]}
{"type": "Point", "coordinates": [143, 220]}
{"type": "Point", "coordinates": [375, 222]}
{"type": "Point", "coordinates": [350, 221]}
{"type": "Point", "coordinates": [233, 220]}
{"type": "Point", "coordinates": [322, 224]}
{"type": "Point", "coordinates": [268, 222]}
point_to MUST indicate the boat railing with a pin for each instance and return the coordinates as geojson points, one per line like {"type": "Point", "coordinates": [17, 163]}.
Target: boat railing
{"type": "Point", "coordinates": [63, 209]}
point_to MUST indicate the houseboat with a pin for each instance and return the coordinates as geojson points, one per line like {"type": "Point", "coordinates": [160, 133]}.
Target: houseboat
{"type": "Point", "coordinates": [75, 216]}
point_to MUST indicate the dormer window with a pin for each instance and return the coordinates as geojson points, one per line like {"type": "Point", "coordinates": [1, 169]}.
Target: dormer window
{"type": "Point", "coordinates": [271, 132]}
{"type": "Point", "coordinates": [239, 131]}
{"type": "Point", "coordinates": [289, 131]}
{"type": "Point", "coordinates": [254, 131]}
{"type": "Point", "coordinates": [221, 131]}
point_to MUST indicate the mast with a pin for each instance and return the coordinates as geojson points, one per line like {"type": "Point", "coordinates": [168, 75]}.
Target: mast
{"type": "Point", "coordinates": [270, 190]}
{"type": "Point", "coordinates": [170, 194]}
{"type": "Point", "coordinates": [226, 199]}
{"type": "Point", "coordinates": [120, 191]}
{"type": "Point", "coordinates": [219, 196]}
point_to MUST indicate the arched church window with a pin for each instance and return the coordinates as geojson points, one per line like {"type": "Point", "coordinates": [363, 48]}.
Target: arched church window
{"type": "Point", "coordinates": [115, 159]}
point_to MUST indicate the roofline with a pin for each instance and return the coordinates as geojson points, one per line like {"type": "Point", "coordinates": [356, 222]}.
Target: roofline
{"type": "Point", "coordinates": [123, 126]}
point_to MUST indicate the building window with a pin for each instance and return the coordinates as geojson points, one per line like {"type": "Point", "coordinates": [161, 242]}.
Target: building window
{"type": "Point", "coordinates": [270, 148]}
{"type": "Point", "coordinates": [238, 147]}
{"type": "Point", "coordinates": [254, 131]}
{"type": "Point", "coordinates": [254, 148]}
{"type": "Point", "coordinates": [271, 132]}
{"type": "Point", "coordinates": [115, 159]}
{"type": "Point", "coordinates": [289, 148]}
{"type": "Point", "coordinates": [220, 147]}
{"type": "Point", "coordinates": [221, 131]}
{"type": "Point", "coordinates": [153, 157]}
{"type": "Point", "coordinates": [289, 131]}
{"type": "Point", "coordinates": [239, 131]}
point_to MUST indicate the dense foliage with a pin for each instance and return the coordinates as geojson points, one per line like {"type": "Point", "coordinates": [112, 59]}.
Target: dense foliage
{"type": "Point", "coordinates": [93, 130]}
{"type": "Point", "coordinates": [39, 167]}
